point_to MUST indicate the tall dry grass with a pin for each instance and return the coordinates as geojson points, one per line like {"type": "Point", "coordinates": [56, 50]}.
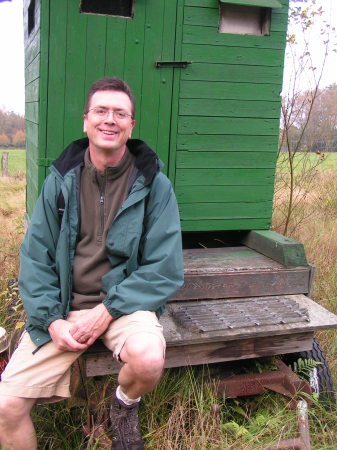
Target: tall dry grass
{"type": "Point", "coordinates": [317, 230]}
{"type": "Point", "coordinates": [12, 208]}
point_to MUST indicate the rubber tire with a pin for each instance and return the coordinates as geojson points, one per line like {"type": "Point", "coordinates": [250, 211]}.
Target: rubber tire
{"type": "Point", "coordinates": [320, 378]}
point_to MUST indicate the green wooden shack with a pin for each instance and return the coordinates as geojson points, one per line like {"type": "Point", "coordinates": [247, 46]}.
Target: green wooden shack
{"type": "Point", "coordinates": [206, 74]}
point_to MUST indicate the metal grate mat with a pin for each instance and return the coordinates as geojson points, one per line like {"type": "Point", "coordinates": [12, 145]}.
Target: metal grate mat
{"type": "Point", "coordinates": [238, 314]}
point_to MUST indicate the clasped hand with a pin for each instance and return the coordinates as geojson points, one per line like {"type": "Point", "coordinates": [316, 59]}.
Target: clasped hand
{"type": "Point", "coordinates": [78, 336]}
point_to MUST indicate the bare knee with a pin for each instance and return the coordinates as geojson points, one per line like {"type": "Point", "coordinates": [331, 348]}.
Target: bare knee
{"type": "Point", "coordinates": [145, 353]}
{"type": "Point", "coordinates": [14, 409]}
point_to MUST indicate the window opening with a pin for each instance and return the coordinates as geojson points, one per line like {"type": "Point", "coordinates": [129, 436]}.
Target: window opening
{"type": "Point", "coordinates": [122, 8]}
{"type": "Point", "coordinates": [240, 19]}
{"type": "Point", "coordinates": [31, 17]}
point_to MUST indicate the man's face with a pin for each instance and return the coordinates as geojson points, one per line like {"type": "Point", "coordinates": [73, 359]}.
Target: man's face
{"type": "Point", "coordinates": [108, 134]}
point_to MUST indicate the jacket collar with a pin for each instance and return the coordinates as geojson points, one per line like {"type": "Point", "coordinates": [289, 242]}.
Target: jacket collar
{"type": "Point", "coordinates": [146, 162]}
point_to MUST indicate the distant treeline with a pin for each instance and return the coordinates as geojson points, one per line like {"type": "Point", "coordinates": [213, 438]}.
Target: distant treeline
{"type": "Point", "coordinates": [311, 121]}
{"type": "Point", "coordinates": [12, 130]}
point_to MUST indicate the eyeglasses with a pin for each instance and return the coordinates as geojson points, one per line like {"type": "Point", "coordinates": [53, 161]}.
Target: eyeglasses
{"type": "Point", "coordinates": [103, 113]}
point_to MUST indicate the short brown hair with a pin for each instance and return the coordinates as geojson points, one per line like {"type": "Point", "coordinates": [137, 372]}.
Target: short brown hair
{"type": "Point", "coordinates": [110, 84]}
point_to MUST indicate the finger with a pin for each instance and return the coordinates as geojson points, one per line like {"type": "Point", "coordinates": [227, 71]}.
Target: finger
{"type": "Point", "coordinates": [75, 344]}
{"type": "Point", "coordinates": [90, 341]}
{"type": "Point", "coordinates": [73, 329]}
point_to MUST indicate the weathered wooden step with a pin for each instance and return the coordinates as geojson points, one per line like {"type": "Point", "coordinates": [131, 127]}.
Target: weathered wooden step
{"type": "Point", "coordinates": [187, 344]}
{"type": "Point", "coordinates": [232, 272]}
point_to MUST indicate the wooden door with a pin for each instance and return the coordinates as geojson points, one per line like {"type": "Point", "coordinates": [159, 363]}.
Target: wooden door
{"type": "Point", "coordinates": [85, 47]}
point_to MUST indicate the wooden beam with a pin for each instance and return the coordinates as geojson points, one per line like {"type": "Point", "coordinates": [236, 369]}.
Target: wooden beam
{"type": "Point", "coordinates": [277, 247]}
{"type": "Point", "coordinates": [232, 272]}
{"type": "Point", "coordinates": [213, 352]}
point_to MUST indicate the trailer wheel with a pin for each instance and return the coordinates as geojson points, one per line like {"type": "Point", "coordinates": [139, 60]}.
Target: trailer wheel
{"type": "Point", "coordinates": [319, 377]}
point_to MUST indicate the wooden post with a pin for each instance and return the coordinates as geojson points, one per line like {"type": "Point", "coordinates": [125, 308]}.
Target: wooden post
{"type": "Point", "coordinates": [4, 164]}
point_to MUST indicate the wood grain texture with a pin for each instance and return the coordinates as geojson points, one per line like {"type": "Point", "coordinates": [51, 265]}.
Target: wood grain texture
{"type": "Point", "coordinates": [226, 143]}
{"type": "Point", "coordinates": [229, 108]}
{"type": "Point", "coordinates": [280, 248]}
{"type": "Point", "coordinates": [225, 160]}
{"type": "Point", "coordinates": [223, 351]}
{"type": "Point", "coordinates": [234, 272]}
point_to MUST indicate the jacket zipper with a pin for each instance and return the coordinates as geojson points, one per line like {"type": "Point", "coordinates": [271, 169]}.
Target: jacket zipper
{"type": "Point", "coordinates": [101, 208]}
{"type": "Point", "coordinates": [101, 201]}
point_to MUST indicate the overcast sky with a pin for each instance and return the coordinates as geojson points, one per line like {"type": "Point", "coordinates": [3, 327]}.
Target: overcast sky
{"type": "Point", "coordinates": [12, 56]}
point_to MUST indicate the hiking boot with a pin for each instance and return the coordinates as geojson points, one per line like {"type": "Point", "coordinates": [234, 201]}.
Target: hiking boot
{"type": "Point", "coordinates": [125, 432]}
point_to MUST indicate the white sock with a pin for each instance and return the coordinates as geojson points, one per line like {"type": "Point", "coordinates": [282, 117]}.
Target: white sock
{"type": "Point", "coordinates": [124, 398]}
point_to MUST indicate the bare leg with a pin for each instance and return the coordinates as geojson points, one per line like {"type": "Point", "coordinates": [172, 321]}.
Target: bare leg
{"type": "Point", "coordinates": [143, 355]}
{"type": "Point", "coordinates": [16, 427]}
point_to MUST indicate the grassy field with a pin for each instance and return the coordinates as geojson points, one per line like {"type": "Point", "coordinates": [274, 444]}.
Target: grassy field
{"type": "Point", "coordinates": [302, 161]}
{"type": "Point", "coordinates": [180, 413]}
{"type": "Point", "coordinates": [16, 162]}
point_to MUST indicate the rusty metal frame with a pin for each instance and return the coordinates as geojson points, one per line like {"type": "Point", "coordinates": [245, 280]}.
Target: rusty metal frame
{"type": "Point", "coordinates": [283, 381]}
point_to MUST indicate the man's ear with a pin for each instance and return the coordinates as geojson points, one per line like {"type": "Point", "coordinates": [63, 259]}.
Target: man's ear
{"type": "Point", "coordinates": [132, 125]}
{"type": "Point", "coordinates": [84, 123]}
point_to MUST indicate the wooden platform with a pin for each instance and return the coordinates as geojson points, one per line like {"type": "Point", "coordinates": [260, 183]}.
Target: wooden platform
{"type": "Point", "coordinates": [230, 272]}
{"type": "Point", "coordinates": [235, 304]}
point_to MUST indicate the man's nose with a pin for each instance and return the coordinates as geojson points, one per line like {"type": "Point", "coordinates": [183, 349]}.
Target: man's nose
{"type": "Point", "coordinates": [110, 116]}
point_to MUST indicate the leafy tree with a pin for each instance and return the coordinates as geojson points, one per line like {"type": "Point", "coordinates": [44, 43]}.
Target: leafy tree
{"type": "Point", "coordinates": [18, 140]}
{"type": "Point", "coordinates": [4, 141]}
{"type": "Point", "coordinates": [10, 123]}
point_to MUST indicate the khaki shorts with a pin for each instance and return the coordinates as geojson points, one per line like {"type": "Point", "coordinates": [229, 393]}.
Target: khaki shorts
{"type": "Point", "coordinates": [45, 375]}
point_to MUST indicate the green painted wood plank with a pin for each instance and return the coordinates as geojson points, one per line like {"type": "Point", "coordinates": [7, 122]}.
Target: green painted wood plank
{"type": "Point", "coordinates": [44, 78]}
{"type": "Point", "coordinates": [210, 36]}
{"type": "Point", "coordinates": [235, 73]}
{"type": "Point", "coordinates": [230, 210]}
{"type": "Point", "coordinates": [209, 17]}
{"type": "Point", "coordinates": [278, 22]}
{"type": "Point", "coordinates": [213, 160]}
{"type": "Point", "coordinates": [203, 3]}
{"type": "Point", "coordinates": [224, 225]}
{"type": "Point", "coordinates": [115, 47]}
{"type": "Point", "coordinates": [277, 247]}
{"type": "Point", "coordinates": [32, 90]}
{"type": "Point", "coordinates": [57, 75]}
{"type": "Point", "coordinates": [215, 4]}
{"type": "Point", "coordinates": [175, 91]}
{"type": "Point", "coordinates": [217, 194]}
{"type": "Point", "coordinates": [30, 41]}
{"type": "Point", "coordinates": [95, 48]}
{"type": "Point", "coordinates": [32, 48]}
{"type": "Point", "coordinates": [166, 78]}
{"type": "Point", "coordinates": [233, 55]}
{"type": "Point", "coordinates": [32, 112]}
{"type": "Point", "coordinates": [75, 75]}
{"type": "Point", "coordinates": [32, 71]}
{"type": "Point", "coordinates": [153, 44]}
{"type": "Point", "coordinates": [227, 143]}
{"type": "Point", "coordinates": [229, 108]}
{"type": "Point", "coordinates": [225, 177]}
{"type": "Point", "coordinates": [227, 125]}
{"type": "Point", "coordinates": [32, 140]}
{"type": "Point", "coordinates": [134, 55]}
{"type": "Point", "coordinates": [259, 3]}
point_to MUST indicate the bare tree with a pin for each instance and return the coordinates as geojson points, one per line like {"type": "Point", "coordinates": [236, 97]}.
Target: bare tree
{"type": "Point", "coordinates": [296, 169]}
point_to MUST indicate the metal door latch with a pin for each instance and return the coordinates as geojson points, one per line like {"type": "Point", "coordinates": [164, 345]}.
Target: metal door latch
{"type": "Point", "coordinates": [178, 64]}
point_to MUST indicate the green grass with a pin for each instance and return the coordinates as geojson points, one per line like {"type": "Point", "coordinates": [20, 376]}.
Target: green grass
{"type": "Point", "coordinates": [329, 162]}
{"type": "Point", "coordinates": [307, 161]}
{"type": "Point", "coordinates": [16, 161]}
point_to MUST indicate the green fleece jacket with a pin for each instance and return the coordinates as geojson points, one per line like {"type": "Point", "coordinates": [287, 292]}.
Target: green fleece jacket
{"type": "Point", "coordinates": [143, 243]}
